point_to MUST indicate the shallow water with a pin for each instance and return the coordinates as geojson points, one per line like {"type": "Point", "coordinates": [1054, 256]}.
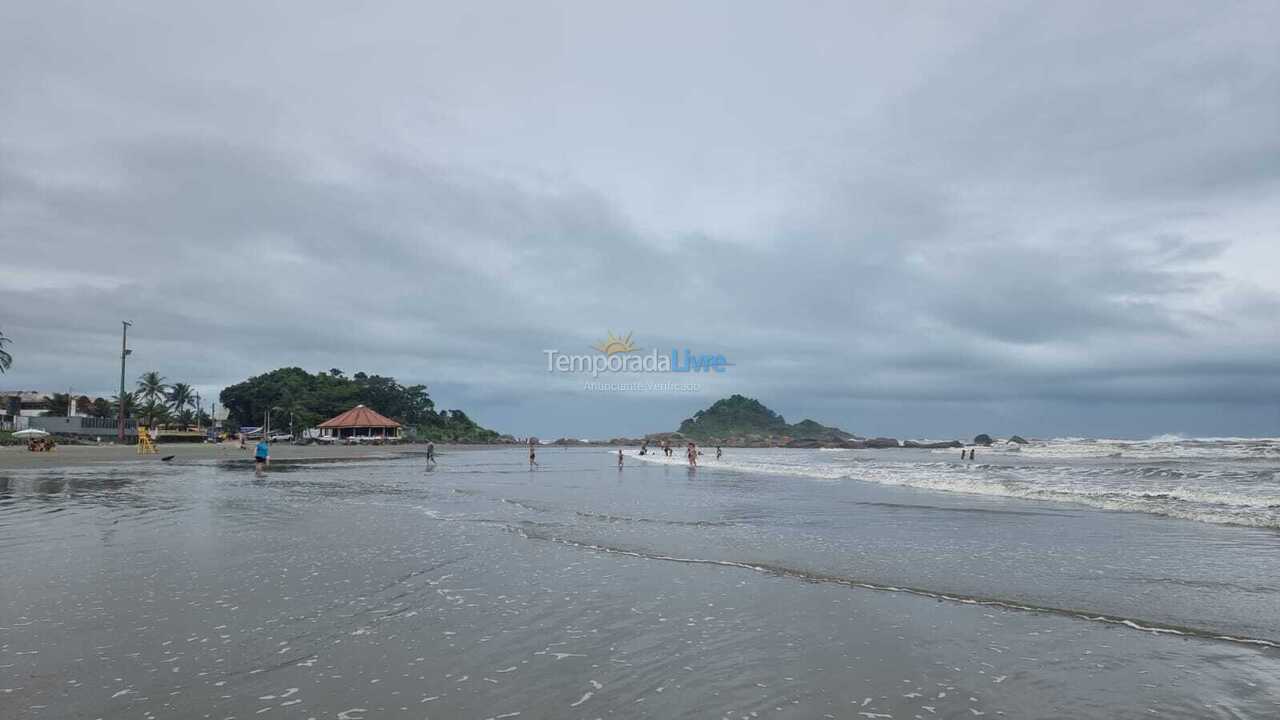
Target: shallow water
{"type": "Point", "coordinates": [749, 589]}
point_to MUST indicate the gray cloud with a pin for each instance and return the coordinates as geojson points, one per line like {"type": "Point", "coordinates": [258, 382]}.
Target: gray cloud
{"type": "Point", "coordinates": [903, 222]}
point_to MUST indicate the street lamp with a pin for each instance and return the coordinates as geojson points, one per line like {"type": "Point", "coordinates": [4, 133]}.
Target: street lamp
{"type": "Point", "coordinates": [124, 353]}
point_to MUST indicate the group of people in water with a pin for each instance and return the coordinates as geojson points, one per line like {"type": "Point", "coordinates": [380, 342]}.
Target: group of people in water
{"type": "Point", "coordinates": [691, 452]}
{"type": "Point", "coordinates": [963, 451]}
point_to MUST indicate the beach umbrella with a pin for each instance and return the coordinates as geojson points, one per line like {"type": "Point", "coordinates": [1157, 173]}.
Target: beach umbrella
{"type": "Point", "coordinates": [30, 433]}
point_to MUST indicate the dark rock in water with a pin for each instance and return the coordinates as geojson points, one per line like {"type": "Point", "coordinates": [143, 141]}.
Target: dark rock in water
{"type": "Point", "coordinates": [881, 442]}
{"type": "Point", "coordinates": [858, 444]}
{"type": "Point", "coordinates": [1018, 439]}
{"type": "Point", "coordinates": [932, 445]}
{"type": "Point", "coordinates": [804, 443]}
{"type": "Point", "coordinates": [983, 439]}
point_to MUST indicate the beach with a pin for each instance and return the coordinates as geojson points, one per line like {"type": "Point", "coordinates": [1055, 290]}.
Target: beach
{"type": "Point", "coordinates": [17, 456]}
{"type": "Point", "coordinates": [802, 584]}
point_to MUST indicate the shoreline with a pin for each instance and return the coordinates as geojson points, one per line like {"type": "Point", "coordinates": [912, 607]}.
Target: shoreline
{"type": "Point", "coordinates": [19, 458]}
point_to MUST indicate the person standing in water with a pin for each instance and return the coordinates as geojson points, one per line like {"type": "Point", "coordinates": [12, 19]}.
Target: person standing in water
{"type": "Point", "coordinates": [619, 458]}
{"type": "Point", "coordinates": [719, 452]}
{"type": "Point", "coordinates": [261, 456]}
{"type": "Point", "coordinates": [431, 452]}
{"type": "Point", "coordinates": [533, 462]}
{"type": "Point", "coordinates": [693, 455]}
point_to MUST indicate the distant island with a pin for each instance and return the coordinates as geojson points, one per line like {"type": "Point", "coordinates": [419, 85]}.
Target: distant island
{"type": "Point", "coordinates": [740, 421]}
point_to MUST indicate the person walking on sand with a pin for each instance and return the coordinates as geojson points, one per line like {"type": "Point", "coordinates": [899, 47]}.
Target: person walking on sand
{"type": "Point", "coordinates": [261, 456]}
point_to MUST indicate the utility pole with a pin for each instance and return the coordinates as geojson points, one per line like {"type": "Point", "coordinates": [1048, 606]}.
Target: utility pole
{"type": "Point", "coordinates": [124, 353]}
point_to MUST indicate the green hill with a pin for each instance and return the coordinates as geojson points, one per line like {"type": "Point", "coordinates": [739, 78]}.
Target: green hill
{"type": "Point", "coordinates": [748, 419]}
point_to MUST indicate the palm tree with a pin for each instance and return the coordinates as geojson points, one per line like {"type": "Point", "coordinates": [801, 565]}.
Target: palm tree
{"type": "Point", "coordinates": [130, 403]}
{"type": "Point", "coordinates": [5, 358]}
{"type": "Point", "coordinates": [186, 418]}
{"type": "Point", "coordinates": [180, 396]}
{"type": "Point", "coordinates": [154, 413]}
{"type": "Point", "coordinates": [151, 386]}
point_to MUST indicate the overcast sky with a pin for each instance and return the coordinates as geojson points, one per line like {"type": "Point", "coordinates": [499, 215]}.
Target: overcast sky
{"type": "Point", "coordinates": [896, 218]}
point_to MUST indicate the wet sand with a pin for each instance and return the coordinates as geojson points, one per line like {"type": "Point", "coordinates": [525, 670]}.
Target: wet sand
{"type": "Point", "coordinates": [478, 588]}
{"type": "Point", "coordinates": [78, 455]}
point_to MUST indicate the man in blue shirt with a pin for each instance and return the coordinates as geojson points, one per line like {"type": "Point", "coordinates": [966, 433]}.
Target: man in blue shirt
{"type": "Point", "coordinates": [261, 456]}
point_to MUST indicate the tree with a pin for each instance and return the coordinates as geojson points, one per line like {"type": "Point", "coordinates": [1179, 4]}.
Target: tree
{"type": "Point", "coordinates": [151, 386]}
{"type": "Point", "coordinates": [6, 360]}
{"type": "Point", "coordinates": [180, 396]}
{"type": "Point", "coordinates": [59, 403]}
{"type": "Point", "coordinates": [130, 404]}
{"type": "Point", "coordinates": [101, 408]}
{"type": "Point", "coordinates": [153, 413]}
{"type": "Point", "coordinates": [186, 418]}
{"type": "Point", "coordinates": [312, 398]}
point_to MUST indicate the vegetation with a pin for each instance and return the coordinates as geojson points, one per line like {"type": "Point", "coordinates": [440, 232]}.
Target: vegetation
{"type": "Point", "coordinates": [102, 408]}
{"type": "Point", "coordinates": [59, 403]}
{"type": "Point", "coordinates": [151, 387]}
{"type": "Point", "coordinates": [313, 398]}
{"type": "Point", "coordinates": [739, 416]}
{"type": "Point", "coordinates": [130, 404]}
{"type": "Point", "coordinates": [182, 398]}
{"type": "Point", "coordinates": [6, 360]}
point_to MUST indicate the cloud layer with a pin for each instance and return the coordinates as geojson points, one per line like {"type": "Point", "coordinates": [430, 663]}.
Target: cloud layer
{"type": "Point", "coordinates": [1049, 222]}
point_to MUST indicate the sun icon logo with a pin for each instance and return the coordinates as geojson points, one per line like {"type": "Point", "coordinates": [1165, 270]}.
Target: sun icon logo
{"type": "Point", "coordinates": [614, 345]}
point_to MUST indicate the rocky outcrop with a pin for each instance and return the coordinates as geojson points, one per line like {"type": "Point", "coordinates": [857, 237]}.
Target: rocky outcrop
{"type": "Point", "coordinates": [1018, 439]}
{"type": "Point", "coordinates": [932, 445]}
{"type": "Point", "coordinates": [983, 439]}
{"type": "Point", "coordinates": [671, 437]}
{"type": "Point", "coordinates": [881, 442]}
{"type": "Point", "coordinates": [805, 443]}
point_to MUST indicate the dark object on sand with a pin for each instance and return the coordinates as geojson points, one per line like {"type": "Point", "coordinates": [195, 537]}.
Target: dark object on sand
{"type": "Point", "coordinates": [983, 439]}
{"type": "Point", "coordinates": [167, 458]}
{"type": "Point", "coordinates": [1018, 439]}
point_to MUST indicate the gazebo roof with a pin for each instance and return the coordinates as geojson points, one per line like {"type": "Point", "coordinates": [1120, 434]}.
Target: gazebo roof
{"type": "Point", "coordinates": [360, 416]}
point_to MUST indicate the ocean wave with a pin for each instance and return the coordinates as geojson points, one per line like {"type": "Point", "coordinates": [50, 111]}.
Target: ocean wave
{"type": "Point", "coordinates": [1226, 492]}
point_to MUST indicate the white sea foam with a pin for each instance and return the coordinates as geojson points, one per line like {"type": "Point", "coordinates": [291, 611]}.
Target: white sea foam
{"type": "Point", "coordinates": [1217, 480]}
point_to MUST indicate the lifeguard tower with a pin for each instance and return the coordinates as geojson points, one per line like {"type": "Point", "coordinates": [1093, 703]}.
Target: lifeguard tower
{"type": "Point", "coordinates": [145, 445]}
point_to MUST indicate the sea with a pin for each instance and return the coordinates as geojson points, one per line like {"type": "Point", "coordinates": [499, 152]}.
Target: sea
{"type": "Point", "coordinates": [1064, 578]}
